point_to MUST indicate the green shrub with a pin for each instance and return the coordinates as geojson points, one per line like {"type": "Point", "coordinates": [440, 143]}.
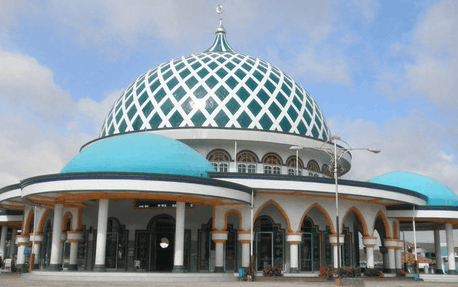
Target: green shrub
{"type": "Point", "coordinates": [371, 272]}
{"type": "Point", "coordinates": [350, 272]}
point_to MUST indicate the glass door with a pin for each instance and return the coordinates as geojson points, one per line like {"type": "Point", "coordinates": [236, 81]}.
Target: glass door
{"type": "Point", "coordinates": [264, 250]}
{"type": "Point", "coordinates": [306, 253]}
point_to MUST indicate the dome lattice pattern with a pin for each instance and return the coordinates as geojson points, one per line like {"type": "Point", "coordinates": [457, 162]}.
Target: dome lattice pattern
{"type": "Point", "coordinates": [216, 88]}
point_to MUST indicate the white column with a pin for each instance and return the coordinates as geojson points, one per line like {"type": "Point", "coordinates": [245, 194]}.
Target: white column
{"type": "Point", "coordinates": [219, 260]}
{"type": "Point", "coordinates": [294, 240]}
{"type": "Point", "coordinates": [450, 248]}
{"type": "Point", "coordinates": [73, 256]}
{"type": "Point", "coordinates": [391, 259]}
{"type": "Point", "coordinates": [437, 245]}
{"type": "Point", "coordinates": [3, 242]}
{"type": "Point", "coordinates": [22, 242]}
{"type": "Point", "coordinates": [334, 252]}
{"type": "Point", "coordinates": [294, 258]}
{"type": "Point", "coordinates": [101, 236]}
{"type": "Point", "coordinates": [370, 257]}
{"type": "Point", "coordinates": [38, 239]}
{"type": "Point", "coordinates": [74, 237]}
{"type": "Point", "coordinates": [391, 245]}
{"type": "Point", "coordinates": [245, 255]}
{"type": "Point", "coordinates": [56, 251]}
{"type": "Point", "coordinates": [333, 241]}
{"type": "Point", "coordinates": [245, 239]}
{"type": "Point", "coordinates": [179, 237]}
{"type": "Point", "coordinates": [219, 237]}
{"type": "Point", "coordinates": [398, 251]}
{"type": "Point", "coordinates": [369, 243]}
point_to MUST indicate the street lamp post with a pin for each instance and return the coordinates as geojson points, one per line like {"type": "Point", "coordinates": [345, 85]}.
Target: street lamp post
{"type": "Point", "coordinates": [297, 148]}
{"type": "Point", "coordinates": [334, 139]}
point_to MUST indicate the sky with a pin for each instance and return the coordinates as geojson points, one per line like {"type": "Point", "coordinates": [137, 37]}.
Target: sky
{"type": "Point", "coordinates": [383, 72]}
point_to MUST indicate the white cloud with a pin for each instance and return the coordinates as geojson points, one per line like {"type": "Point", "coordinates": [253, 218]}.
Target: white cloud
{"type": "Point", "coordinates": [29, 150]}
{"type": "Point", "coordinates": [431, 72]}
{"type": "Point", "coordinates": [367, 8]}
{"type": "Point", "coordinates": [94, 113]}
{"type": "Point", "coordinates": [313, 67]}
{"type": "Point", "coordinates": [413, 143]}
{"type": "Point", "coordinates": [42, 126]}
{"type": "Point", "coordinates": [26, 83]}
{"type": "Point", "coordinates": [9, 10]}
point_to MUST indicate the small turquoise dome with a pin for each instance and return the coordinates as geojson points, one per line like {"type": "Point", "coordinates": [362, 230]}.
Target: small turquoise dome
{"type": "Point", "coordinates": [140, 153]}
{"type": "Point", "coordinates": [438, 194]}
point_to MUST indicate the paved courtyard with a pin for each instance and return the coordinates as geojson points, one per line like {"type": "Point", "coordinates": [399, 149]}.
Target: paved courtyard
{"type": "Point", "coordinates": [15, 280]}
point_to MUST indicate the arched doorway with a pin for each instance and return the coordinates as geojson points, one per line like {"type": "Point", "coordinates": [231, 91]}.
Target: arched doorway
{"type": "Point", "coordinates": [206, 247]}
{"type": "Point", "coordinates": [155, 247]}
{"type": "Point", "coordinates": [46, 245]}
{"type": "Point", "coordinates": [162, 243]}
{"type": "Point", "coordinates": [310, 246]}
{"type": "Point", "coordinates": [116, 245]}
{"type": "Point", "coordinates": [268, 244]}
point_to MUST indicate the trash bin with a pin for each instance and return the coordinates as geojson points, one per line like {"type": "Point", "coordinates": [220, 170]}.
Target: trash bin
{"type": "Point", "coordinates": [241, 273]}
{"type": "Point", "coordinates": [8, 264]}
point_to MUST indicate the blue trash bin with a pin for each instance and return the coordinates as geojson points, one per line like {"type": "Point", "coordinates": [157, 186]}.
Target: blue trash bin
{"type": "Point", "coordinates": [241, 272]}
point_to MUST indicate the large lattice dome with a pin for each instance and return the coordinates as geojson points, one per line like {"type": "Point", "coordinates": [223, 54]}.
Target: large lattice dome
{"type": "Point", "coordinates": [218, 88]}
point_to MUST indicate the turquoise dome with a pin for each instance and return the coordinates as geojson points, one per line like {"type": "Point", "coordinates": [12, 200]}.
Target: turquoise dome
{"type": "Point", "coordinates": [218, 88]}
{"type": "Point", "coordinates": [140, 153]}
{"type": "Point", "coordinates": [438, 194]}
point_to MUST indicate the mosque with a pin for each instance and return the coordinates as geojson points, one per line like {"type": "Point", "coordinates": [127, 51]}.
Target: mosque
{"type": "Point", "coordinates": [210, 163]}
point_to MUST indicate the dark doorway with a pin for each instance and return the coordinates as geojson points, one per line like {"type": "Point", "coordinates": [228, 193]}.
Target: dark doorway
{"type": "Point", "coordinates": [163, 254]}
{"type": "Point", "coordinates": [155, 247]}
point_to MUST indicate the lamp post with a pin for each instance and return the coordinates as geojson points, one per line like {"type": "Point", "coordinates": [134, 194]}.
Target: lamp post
{"type": "Point", "coordinates": [296, 148]}
{"type": "Point", "coordinates": [336, 158]}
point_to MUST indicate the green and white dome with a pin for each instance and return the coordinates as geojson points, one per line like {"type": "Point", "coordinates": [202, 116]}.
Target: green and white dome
{"type": "Point", "coordinates": [218, 88]}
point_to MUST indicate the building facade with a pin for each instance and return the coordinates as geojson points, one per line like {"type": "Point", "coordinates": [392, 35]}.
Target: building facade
{"type": "Point", "coordinates": [205, 161]}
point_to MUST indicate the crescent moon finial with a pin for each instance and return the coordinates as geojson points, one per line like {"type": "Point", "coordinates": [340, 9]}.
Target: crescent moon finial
{"type": "Point", "coordinates": [220, 11]}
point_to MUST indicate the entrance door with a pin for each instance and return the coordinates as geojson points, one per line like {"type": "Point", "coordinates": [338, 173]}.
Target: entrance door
{"type": "Point", "coordinates": [162, 251]}
{"type": "Point", "coordinates": [269, 243]}
{"type": "Point", "coordinates": [264, 250]}
{"type": "Point", "coordinates": [307, 252]}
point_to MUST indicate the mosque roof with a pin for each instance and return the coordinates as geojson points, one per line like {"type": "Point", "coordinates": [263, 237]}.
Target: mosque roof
{"type": "Point", "coordinates": [140, 153]}
{"type": "Point", "coordinates": [437, 193]}
{"type": "Point", "coordinates": [218, 88]}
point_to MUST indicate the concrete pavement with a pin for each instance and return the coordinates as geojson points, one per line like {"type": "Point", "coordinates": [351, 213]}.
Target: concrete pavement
{"type": "Point", "coordinates": [15, 280]}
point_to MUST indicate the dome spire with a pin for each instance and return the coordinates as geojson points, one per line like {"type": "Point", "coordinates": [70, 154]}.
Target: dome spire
{"type": "Point", "coordinates": [220, 44]}
{"type": "Point", "coordinates": [220, 11]}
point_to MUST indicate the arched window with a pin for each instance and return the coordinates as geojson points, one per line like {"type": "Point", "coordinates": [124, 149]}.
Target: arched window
{"type": "Point", "coordinates": [326, 170]}
{"type": "Point", "coordinates": [220, 160]}
{"type": "Point", "coordinates": [272, 164]}
{"type": "Point", "coordinates": [246, 162]}
{"type": "Point", "coordinates": [291, 164]}
{"type": "Point", "coordinates": [313, 166]}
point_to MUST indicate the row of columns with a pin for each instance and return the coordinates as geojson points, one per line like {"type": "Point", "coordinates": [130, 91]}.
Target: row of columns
{"type": "Point", "coordinates": [3, 236]}
{"type": "Point", "coordinates": [58, 239]}
{"type": "Point", "coordinates": [394, 247]}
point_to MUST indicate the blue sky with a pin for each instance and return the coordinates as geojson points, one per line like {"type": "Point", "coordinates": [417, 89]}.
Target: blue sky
{"type": "Point", "coordinates": [383, 72]}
